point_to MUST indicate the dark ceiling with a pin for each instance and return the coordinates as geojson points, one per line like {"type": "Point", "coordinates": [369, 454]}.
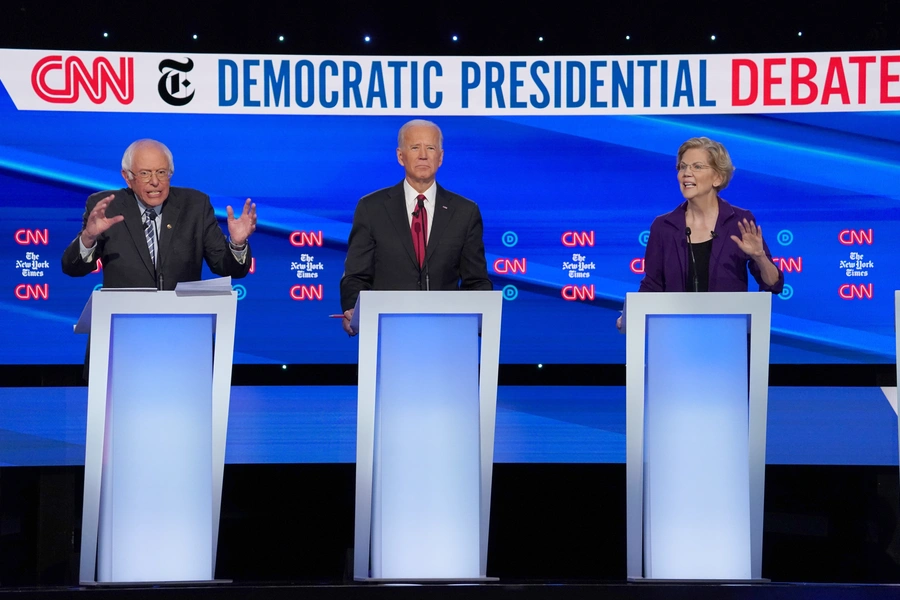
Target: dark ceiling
{"type": "Point", "coordinates": [483, 28]}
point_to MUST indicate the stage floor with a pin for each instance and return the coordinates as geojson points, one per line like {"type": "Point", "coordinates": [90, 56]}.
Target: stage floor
{"type": "Point", "coordinates": [555, 590]}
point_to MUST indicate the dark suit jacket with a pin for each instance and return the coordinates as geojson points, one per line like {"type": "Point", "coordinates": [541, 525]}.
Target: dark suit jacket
{"type": "Point", "coordinates": [666, 258]}
{"type": "Point", "coordinates": [380, 253]}
{"type": "Point", "coordinates": [189, 234]}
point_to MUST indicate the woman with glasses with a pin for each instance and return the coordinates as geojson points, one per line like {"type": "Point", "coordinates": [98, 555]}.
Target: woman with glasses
{"type": "Point", "coordinates": [706, 244]}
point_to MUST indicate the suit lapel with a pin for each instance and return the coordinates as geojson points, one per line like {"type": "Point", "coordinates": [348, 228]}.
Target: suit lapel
{"type": "Point", "coordinates": [170, 214]}
{"type": "Point", "coordinates": [395, 205]}
{"type": "Point", "coordinates": [677, 219]}
{"type": "Point", "coordinates": [135, 224]}
{"type": "Point", "coordinates": [443, 212]}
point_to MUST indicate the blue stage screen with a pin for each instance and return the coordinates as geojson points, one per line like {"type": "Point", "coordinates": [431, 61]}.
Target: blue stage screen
{"type": "Point", "coordinates": [566, 201]}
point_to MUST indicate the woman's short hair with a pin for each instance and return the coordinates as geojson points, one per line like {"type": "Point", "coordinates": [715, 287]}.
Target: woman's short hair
{"type": "Point", "coordinates": [719, 159]}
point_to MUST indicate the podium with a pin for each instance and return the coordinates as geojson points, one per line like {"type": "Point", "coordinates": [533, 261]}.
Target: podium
{"type": "Point", "coordinates": [696, 398]}
{"type": "Point", "coordinates": [425, 434]}
{"type": "Point", "coordinates": [158, 394]}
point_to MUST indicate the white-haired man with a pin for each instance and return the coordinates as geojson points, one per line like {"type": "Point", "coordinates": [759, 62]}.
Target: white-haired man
{"type": "Point", "coordinates": [415, 235]}
{"type": "Point", "coordinates": [152, 235]}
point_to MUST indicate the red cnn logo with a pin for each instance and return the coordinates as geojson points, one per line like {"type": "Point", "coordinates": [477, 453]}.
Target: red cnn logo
{"type": "Point", "coordinates": [505, 265]}
{"type": "Point", "coordinates": [850, 291]}
{"type": "Point", "coordinates": [789, 265]}
{"type": "Point", "coordinates": [252, 265]}
{"type": "Point", "coordinates": [26, 237]}
{"type": "Point", "coordinates": [849, 237]}
{"type": "Point", "coordinates": [306, 238]}
{"type": "Point", "coordinates": [76, 76]}
{"type": "Point", "coordinates": [637, 266]}
{"type": "Point", "coordinates": [32, 292]}
{"type": "Point", "coordinates": [578, 292]}
{"type": "Point", "coordinates": [570, 239]}
{"type": "Point", "coordinates": [306, 292]}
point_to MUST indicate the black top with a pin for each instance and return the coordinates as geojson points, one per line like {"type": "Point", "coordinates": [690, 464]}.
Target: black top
{"type": "Point", "coordinates": [702, 252]}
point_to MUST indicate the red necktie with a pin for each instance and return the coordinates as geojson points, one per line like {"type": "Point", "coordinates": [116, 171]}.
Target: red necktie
{"type": "Point", "coordinates": [419, 229]}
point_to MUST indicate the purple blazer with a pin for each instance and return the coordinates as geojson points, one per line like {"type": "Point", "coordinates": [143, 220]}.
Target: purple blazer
{"type": "Point", "coordinates": [666, 258]}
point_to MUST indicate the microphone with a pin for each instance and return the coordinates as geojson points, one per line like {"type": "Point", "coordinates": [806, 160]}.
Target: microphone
{"type": "Point", "coordinates": [713, 234]}
{"type": "Point", "coordinates": [696, 282]}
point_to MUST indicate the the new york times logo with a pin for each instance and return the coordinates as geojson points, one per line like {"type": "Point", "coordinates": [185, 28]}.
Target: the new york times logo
{"type": "Point", "coordinates": [174, 87]}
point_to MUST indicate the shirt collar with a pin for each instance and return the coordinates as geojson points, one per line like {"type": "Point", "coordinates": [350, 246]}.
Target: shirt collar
{"type": "Point", "coordinates": [410, 194]}
{"type": "Point", "coordinates": [143, 207]}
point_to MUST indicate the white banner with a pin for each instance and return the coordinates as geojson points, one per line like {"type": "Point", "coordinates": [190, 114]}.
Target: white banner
{"type": "Point", "coordinates": [381, 85]}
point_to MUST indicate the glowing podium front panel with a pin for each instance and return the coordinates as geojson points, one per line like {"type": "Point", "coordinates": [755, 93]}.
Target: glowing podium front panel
{"type": "Point", "coordinates": [696, 434]}
{"type": "Point", "coordinates": [425, 433]}
{"type": "Point", "coordinates": [158, 394]}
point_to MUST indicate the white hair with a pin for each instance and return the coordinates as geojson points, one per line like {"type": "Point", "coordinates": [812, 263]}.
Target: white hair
{"type": "Point", "coordinates": [128, 157]}
{"type": "Point", "coordinates": [419, 123]}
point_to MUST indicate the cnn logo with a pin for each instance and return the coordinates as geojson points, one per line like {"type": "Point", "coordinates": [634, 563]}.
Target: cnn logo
{"type": "Point", "coordinates": [851, 237]}
{"type": "Point", "coordinates": [28, 237]}
{"type": "Point", "coordinates": [306, 238]}
{"type": "Point", "coordinates": [73, 77]}
{"type": "Point", "coordinates": [26, 291]}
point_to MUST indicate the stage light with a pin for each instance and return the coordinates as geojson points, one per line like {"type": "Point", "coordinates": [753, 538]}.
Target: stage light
{"type": "Point", "coordinates": [284, 367]}
{"type": "Point", "coordinates": [712, 37]}
{"type": "Point", "coordinates": [627, 37]}
{"type": "Point", "coordinates": [540, 366]}
{"type": "Point", "coordinates": [540, 38]}
{"type": "Point", "coordinates": [280, 38]}
{"type": "Point", "coordinates": [367, 39]}
{"type": "Point", "coordinates": [799, 34]}
{"type": "Point", "coordinates": [455, 38]}
{"type": "Point", "coordinates": [106, 35]}
{"type": "Point", "coordinates": [195, 36]}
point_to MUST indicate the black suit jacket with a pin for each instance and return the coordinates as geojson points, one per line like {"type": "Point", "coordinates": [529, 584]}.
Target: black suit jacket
{"type": "Point", "coordinates": [189, 234]}
{"type": "Point", "coordinates": [381, 256]}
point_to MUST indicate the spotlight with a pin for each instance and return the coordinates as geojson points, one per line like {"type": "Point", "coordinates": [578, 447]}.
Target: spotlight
{"type": "Point", "coordinates": [280, 38]}
{"type": "Point", "coordinates": [540, 38]}
{"type": "Point", "coordinates": [712, 37]}
{"type": "Point", "coordinates": [627, 37]}
{"type": "Point", "coordinates": [367, 39]}
{"type": "Point", "coordinates": [106, 35]}
{"type": "Point", "coordinates": [799, 34]}
{"type": "Point", "coordinates": [194, 36]}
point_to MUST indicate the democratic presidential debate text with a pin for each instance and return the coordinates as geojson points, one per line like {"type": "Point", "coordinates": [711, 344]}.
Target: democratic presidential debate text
{"type": "Point", "coordinates": [358, 85]}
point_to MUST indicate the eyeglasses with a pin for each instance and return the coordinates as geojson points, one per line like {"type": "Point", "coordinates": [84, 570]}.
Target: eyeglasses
{"type": "Point", "coordinates": [682, 168]}
{"type": "Point", "coordinates": [146, 176]}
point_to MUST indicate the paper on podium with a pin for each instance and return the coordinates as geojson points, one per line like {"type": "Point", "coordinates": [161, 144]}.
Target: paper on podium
{"type": "Point", "coordinates": [208, 287]}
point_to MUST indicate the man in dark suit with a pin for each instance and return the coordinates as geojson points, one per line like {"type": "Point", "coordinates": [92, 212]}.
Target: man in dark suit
{"type": "Point", "coordinates": [415, 235]}
{"type": "Point", "coordinates": [151, 235]}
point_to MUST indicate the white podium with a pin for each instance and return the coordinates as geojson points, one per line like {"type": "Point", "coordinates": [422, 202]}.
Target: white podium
{"type": "Point", "coordinates": [696, 398]}
{"type": "Point", "coordinates": [158, 394]}
{"type": "Point", "coordinates": [425, 434]}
